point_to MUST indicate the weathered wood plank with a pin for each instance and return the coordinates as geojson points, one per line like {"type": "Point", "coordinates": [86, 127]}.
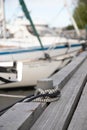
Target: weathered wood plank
{"type": "Point", "coordinates": [21, 116]}
{"type": "Point", "coordinates": [58, 114]}
{"type": "Point", "coordinates": [26, 120]}
{"type": "Point", "coordinates": [79, 120]}
{"type": "Point", "coordinates": [60, 78]}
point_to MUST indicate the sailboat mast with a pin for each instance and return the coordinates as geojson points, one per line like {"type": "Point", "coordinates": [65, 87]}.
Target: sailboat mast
{"type": "Point", "coordinates": [3, 18]}
{"type": "Point", "coordinates": [72, 19]}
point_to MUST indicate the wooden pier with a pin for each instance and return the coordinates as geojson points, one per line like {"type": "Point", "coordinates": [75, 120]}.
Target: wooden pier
{"type": "Point", "coordinates": [68, 113]}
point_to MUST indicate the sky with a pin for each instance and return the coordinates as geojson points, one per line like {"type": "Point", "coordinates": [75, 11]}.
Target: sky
{"type": "Point", "coordinates": [51, 12]}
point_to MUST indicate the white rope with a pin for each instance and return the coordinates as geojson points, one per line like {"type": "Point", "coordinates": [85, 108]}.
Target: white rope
{"type": "Point", "coordinates": [47, 98]}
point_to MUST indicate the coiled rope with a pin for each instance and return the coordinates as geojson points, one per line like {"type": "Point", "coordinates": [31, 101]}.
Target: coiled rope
{"type": "Point", "coordinates": [51, 95]}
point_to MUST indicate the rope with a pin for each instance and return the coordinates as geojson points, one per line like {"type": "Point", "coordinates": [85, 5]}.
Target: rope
{"type": "Point", "coordinates": [58, 13]}
{"type": "Point", "coordinates": [51, 95]}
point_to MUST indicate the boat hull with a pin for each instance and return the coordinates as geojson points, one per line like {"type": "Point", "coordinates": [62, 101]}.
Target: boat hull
{"type": "Point", "coordinates": [35, 65]}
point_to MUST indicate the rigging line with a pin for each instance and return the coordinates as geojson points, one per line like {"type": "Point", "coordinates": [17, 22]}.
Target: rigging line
{"type": "Point", "coordinates": [27, 14]}
{"type": "Point", "coordinates": [56, 15]}
{"type": "Point", "coordinates": [53, 46]}
{"type": "Point", "coordinates": [55, 42]}
{"type": "Point", "coordinates": [16, 11]}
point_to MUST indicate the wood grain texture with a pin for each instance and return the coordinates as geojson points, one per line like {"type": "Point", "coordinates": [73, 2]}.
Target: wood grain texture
{"type": "Point", "coordinates": [21, 116]}
{"type": "Point", "coordinates": [58, 114]}
{"type": "Point", "coordinates": [79, 120]}
{"type": "Point", "coordinates": [61, 78]}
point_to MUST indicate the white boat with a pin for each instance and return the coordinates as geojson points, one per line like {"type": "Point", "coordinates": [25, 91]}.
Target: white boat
{"type": "Point", "coordinates": [37, 63]}
{"type": "Point", "coordinates": [24, 66]}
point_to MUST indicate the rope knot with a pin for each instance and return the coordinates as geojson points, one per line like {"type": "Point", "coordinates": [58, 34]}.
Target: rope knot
{"type": "Point", "coordinates": [48, 95]}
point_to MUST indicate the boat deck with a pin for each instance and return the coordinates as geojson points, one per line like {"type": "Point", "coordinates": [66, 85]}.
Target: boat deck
{"type": "Point", "coordinates": [68, 113]}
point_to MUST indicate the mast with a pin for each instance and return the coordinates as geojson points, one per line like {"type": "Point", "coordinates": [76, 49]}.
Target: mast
{"type": "Point", "coordinates": [72, 19]}
{"type": "Point", "coordinates": [3, 18]}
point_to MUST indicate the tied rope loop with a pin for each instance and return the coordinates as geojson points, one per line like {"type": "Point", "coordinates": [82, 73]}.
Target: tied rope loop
{"type": "Point", "coordinates": [49, 95]}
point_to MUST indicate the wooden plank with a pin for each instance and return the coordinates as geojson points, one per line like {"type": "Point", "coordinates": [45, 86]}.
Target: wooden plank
{"type": "Point", "coordinates": [58, 114]}
{"type": "Point", "coordinates": [26, 120]}
{"type": "Point", "coordinates": [79, 120]}
{"type": "Point", "coordinates": [60, 78]}
{"type": "Point", "coordinates": [21, 116]}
